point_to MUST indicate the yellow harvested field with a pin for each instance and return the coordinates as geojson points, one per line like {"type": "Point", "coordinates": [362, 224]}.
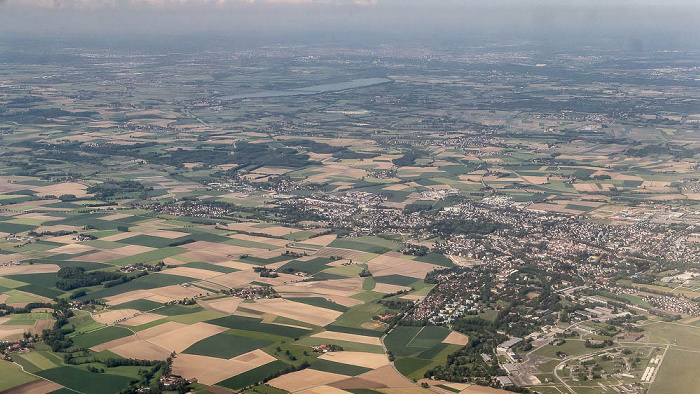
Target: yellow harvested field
{"type": "Point", "coordinates": [211, 370]}
{"type": "Point", "coordinates": [387, 288]}
{"type": "Point", "coordinates": [456, 338]}
{"type": "Point", "coordinates": [116, 343]}
{"type": "Point", "coordinates": [236, 265]}
{"type": "Point", "coordinates": [159, 294]}
{"type": "Point", "coordinates": [361, 359]}
{"type": "Point", "coordinates": [335, 287]}
{"type": "Point", "coordinates": [262, 240]}
{"type": "Point", "coordinates": [40, 386]}
{"type": "Point", "coordinates": [160, 330]}
{"type": "Point", "coordinates": [116, 216]}
{"type": "Point", "coordinates": [166, 234]}
{"type": "Point", "coordinates": [27, 269]}
{"type": "Point", "coordinates": [143, 318]}
{"type": "Point", "coordinates": [13, 332]}
{"type": "Point", "coordinates": [227, 305]}
{"type": "Point", "coordinates": [72, 249]}
{"type": "Point", "coordinates": [141, 350]}
{"type": "Point", "coordinates": [271, 171]}
{"type": "Point", "coordinates": [295, 311]}
{"type": "Point", "coordinates": [323, 240]}
{"type": "Point", "coordinates": [405, 390]}
{"type": "Point", "coordinates": [476, 389]}
{"type": "Point", "coordinates": [536, 180]}
{"type": "Point", "coordinates": [396, 187]}
{"type": "Point", "coordinates": [111, 317]}
{"type": "Point", "coordinates": [341, 336]}
{"type": "Point", "coordinates": [387, 376]}
{"type": "Point", "coordinates": [77, 189]}
{"type": "Point", "coordinates": [119, 236]}
{"type": "Point", "coordinates": [343, 253]}
{"type": "Point", "coordinates": [278, 231]}
{"type": "Point", "coordinates": [323, 390]}
{"type": "Point", "coordinates": [342, 300]}
{"type": "Point", "coordinates": [184, 337]}
{"type": "Point", "coordinates": [393, 263]}
{"type": "Point", "coordinates": [305, 379]}
{"type": "Point", "coordinates": [196, 273]}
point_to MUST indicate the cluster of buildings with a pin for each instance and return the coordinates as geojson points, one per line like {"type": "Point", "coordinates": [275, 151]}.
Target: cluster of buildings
{"type": "Point", "coordinates": [671, 304]}
{"type": "Point", "coordinates": [187, 208]}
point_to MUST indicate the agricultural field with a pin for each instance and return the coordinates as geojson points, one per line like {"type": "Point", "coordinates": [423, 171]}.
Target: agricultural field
{"type": "Point", "coordinates": [341, 220]}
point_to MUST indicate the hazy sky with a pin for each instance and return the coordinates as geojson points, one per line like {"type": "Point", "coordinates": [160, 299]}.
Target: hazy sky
{"type": "Point", "coordinates": [675, 21]}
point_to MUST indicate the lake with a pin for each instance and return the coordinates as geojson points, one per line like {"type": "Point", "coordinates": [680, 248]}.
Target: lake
{"type": "Point", "coordinates": [315, 89]}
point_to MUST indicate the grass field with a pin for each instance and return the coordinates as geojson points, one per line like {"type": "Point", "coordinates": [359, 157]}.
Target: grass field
{"type": "Point", "coordinates": [16, 296]}
{"type": "Point", "coordinates": [320, 302]}
{"type": "Point", "coordinates": [252, 324]}
{"type": "Point", "coordinates": [175, 309]}
{"type": "Point", "coordinates": [409, 365]}
{"type": "Point", "coordinates": [36, 359]}
{"type": "Point", "coordinates": [13, 376]}
{"type": "Point", "coordinates": [196, 317]}
{"type": "Point", "coordinates": [346, 345]}
{"type": "Point", "coordinates": [84, 381]}
{"type": "Point", "coordinates": [100, 336]}
{"type": "Point", "coordinates": [339, 368]}
{"type": "Point", "coordinates": [435, 258]}
{"type": "Point", "coordinates": [210, 267]}
{"type": "Point", "coordinates": [364, 245]}
{"type": "Point", "coordinates": [356, 316]}
{"type": "Point", "coordinates": [674, 376]}
{"type": "Point", "coordinates": [149, 257]}
{"type": "Point", "coordinates": [11, 283]}
{"type": "Point", "coordinates": [139, 305]}
{"type": "Point", "coordinates": [143, 283]}
{"type": "Point", "coordinates": [571, 347]}
{"type": "Point", "coordinates": [226, 346]}
{"type": "Point", "coordinates": [253, 376]}
{"type": "Point", "coordinates": [407, 341]}
{"type": "Point", "coordinates": [28, 318]}
{"type": "Point", "coordinates": [399, 280]}
{"type": "Point", "coordinates": [310, 267]}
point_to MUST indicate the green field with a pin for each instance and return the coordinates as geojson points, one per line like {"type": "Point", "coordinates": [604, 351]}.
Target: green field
{"type": "Point", "coordinates": [349, 346]}
{"type": "Point", "coordinates": [16, 296]}
{"type": "Point", "coordinates": [210, 267]}
{"type": "Point", "coordinates": [149, 257]}
{"type": "Point", "coordinates": [409, 340]}
{"type": "Point", "coordinates": [140, 305]}
{"type": "Point", "coordinates": [100, 336]}
{"type": "Point", "coordinates": [310, 266]}
{"type": "Point", "coordinates": [13, 376]}
{"type": "Point", "coordinates": [339, 368]}
{"type": "Point", "coordinates": [320, 302]}
{"type": "Point", "coordinates": [674, 376]}
{"type": "Point", "coordinates": [143, 283]}
{"type": "Point", "coordinates": [359, 314]}
{"type": "Point", "coordinates": [34, 361]}
{"type": "Point", "coordinates": [84, 381]}
{"type": "Point", "coordinates": [365, 244]}
{"type": "Point", "coordinates": [398, 280]}
{"type": "Point", "coordinates": [253, 376]}
{"type": "Point", "coordinates": [226, 346]}
{"type": "Point", "coordinates": [252, 324]}
{"type": "Point", "coordinates": [28, 318]}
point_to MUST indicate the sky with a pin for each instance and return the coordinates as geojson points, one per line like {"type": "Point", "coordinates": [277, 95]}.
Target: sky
{"type": "Point", "coordinates": [673, 22]}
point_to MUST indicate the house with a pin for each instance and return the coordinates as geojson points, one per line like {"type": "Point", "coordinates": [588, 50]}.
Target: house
{"type": "Point", "coordinates": [505, 346]}
{"type": "Point", "coordinates": [504, 381]}
{"type": "Point", "coordinates": [511, 369]}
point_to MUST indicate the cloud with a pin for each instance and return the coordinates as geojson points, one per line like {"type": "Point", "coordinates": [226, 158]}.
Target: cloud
{"type": "Point", "coordinates": [171, 4]}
